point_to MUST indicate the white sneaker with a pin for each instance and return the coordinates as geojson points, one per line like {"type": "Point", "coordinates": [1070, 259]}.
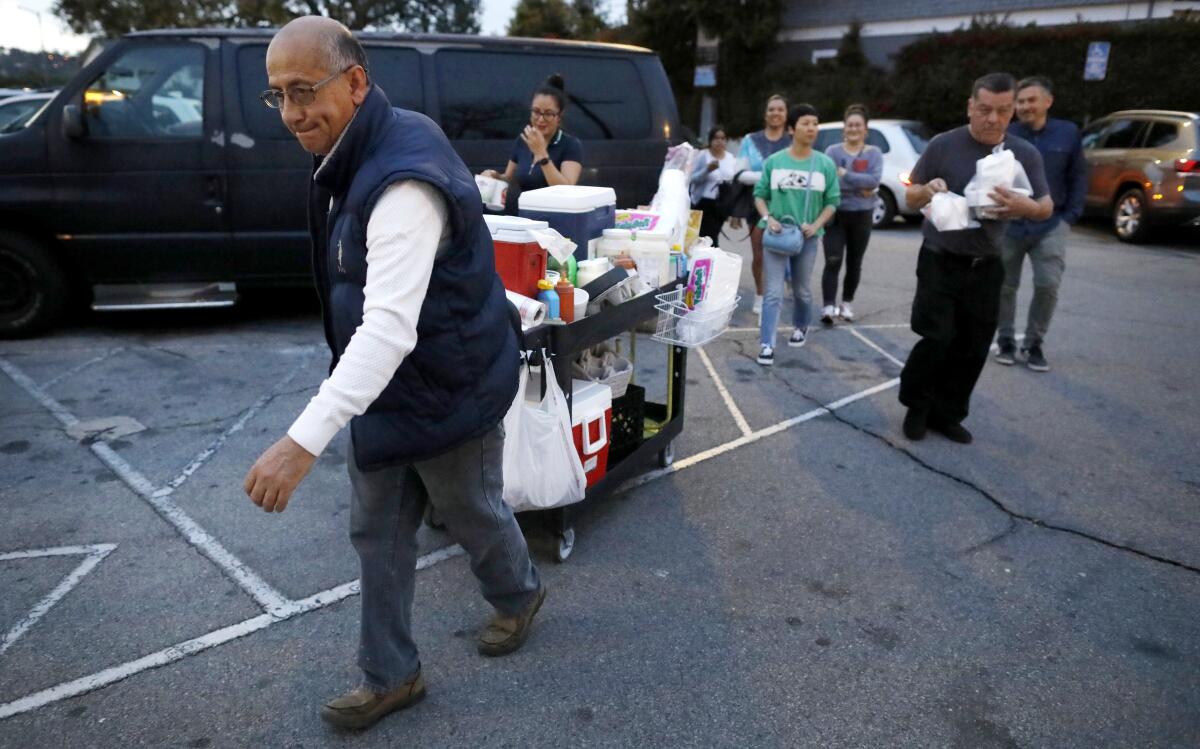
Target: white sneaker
{"type": "Point", "coordinates": [828, 312]}
{"type": "Point", "coordinates": [766, 355]}
{"type": "Point", "coordinates": [846, 312]}
{"type": "Point", "coordinates": [757, 308]}
{"type": "Point", "coordinates": [798, 339]}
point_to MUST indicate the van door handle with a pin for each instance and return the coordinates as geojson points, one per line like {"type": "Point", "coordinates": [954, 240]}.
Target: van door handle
{"type": "Point", "coordinates": [214, 192]}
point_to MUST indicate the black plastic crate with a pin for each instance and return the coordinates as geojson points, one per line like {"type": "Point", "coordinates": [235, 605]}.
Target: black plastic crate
{"type": "Point", "coordinates": [628, 423]}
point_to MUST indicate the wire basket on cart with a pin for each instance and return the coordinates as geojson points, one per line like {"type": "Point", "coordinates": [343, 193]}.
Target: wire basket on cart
{"type": "Point", "coordinates": [680, 325]}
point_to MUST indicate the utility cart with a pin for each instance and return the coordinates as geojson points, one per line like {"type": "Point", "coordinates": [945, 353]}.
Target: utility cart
{"type": "Point", "coordinates": [642, 432]}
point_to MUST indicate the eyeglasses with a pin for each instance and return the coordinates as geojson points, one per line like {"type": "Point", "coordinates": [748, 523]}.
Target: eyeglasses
{"type": "Point", "coordinates": [298, 94]}
{"type": "Point", "coordinates": [539, 114]}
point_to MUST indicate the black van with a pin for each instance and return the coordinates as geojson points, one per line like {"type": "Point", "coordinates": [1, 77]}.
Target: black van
{"type": "Point", "coordinates": [157, 178]}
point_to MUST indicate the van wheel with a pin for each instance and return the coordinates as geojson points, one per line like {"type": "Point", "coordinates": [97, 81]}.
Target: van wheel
{"type": "Point", "coordinates": [885, 209]}
{"type": "Point", "coordinates": [1129, 217]}
{"type": "Point", "coordinates": [33, 287]}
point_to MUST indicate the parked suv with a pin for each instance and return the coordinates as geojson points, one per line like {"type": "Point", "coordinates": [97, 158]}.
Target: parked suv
{"type": "Point", "coordinates": [902, 143]}
{"type": "Point", "coordinates": [1144, 170]}
{"type": "Point", "coordinates": [158, 178]}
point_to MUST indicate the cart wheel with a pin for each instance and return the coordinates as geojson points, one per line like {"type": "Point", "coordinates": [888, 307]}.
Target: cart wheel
{"type": "Point", "coordinates": [666, 456]}
{"type": "Point", "coordinates": [566, 545]}
{"type": "Point", "coordinates": [431, 518]}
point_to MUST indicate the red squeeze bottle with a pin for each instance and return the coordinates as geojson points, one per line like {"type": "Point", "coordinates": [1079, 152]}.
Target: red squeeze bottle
{"type": "Point", "coordinates": [566, 300]}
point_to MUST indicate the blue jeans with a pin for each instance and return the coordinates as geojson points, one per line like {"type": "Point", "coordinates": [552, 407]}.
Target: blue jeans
{"type": "Point", "coordinates": [775, 266]}
{"type": "Point", "coordinates": [1047, 254]}
{"type": "Point", "coordinates": [466, 486]}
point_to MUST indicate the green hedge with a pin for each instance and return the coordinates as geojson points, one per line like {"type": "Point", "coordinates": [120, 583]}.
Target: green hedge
{"type": "Point", "coordinates": [1151, 65]}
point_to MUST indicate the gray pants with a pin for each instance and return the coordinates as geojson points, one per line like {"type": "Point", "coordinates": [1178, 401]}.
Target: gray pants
{"type": "Point", "coordinates": [465, 485]}
{"type": "Point", "coordinates": [1047, 255]}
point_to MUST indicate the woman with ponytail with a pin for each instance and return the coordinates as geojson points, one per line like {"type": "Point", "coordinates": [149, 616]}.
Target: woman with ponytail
{"type": "Point", "coordinates": [544, 154]}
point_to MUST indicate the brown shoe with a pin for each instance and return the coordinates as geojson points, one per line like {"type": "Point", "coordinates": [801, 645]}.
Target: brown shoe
{"type": "Point", "coordinates": [504, 634]}
{"type": "Point", "coordinates": [362, 708]}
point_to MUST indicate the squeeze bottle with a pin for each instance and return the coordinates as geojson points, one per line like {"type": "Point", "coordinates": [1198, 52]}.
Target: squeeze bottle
{"type": "Point", "coordinates": [547, 296]}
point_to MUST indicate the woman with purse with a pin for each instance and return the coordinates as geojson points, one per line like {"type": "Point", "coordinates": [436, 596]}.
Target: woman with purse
{"type": "Point", "coordinates": [795, 198]}
{"type": "Point", "coordinates": [714, 167]}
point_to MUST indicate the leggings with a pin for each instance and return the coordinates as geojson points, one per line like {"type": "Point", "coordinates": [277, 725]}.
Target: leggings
{"type": "Point", "coordinates": [712, 220]}
{"type": "Point", "coordinates": [846, 236]}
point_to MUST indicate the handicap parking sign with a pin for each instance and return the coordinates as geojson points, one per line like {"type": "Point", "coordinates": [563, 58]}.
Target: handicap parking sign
{"type": "Point", "coordinates": [1095, 67]}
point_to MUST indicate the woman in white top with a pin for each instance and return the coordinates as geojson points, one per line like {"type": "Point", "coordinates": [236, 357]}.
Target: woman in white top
{"type": "Point", "coordinates": [713, 166]}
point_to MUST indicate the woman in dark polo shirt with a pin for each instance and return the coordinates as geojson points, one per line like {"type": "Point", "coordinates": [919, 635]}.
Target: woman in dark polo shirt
{"type": "Point", "coordinates": [544, 154]}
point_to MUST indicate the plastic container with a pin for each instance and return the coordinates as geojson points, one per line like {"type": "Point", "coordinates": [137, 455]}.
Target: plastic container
{"type": "Point", "coordinates": [547, 296]}
{"type": "Point", "coordinates": [581, 303]}
{"type": "Point", "coordinates": [614, 242]}
{"type": "Point", "coordinates": [590, 270]}
{"type": "Point", "coordinates": [493, 192]}
{"type": "Point", "coordinates": [680, 326]}
{"type": "Point", "coordinates": [591, 425]}
{"type": "Point", "coordinates": [520, 261]}
{"type": "Point", "coordinates": [579, 212]}
{"type": "Point", "coordinates": [566, 300]}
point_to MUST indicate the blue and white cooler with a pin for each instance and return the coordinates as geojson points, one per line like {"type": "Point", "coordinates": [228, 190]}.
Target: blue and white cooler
{"type": "Point", "coordinates": [579, 212]}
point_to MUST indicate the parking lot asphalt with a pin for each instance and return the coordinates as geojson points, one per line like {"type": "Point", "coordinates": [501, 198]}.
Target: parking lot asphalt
{"type": "Point", "coordinates": [801, 576]}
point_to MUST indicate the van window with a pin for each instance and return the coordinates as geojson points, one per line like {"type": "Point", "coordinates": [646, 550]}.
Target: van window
{"type": "Point", "coordinates": [1122, 134]}
{"type": "Point", "coordinates": [149, 92]}
{"type": "Point", "coordinates": [1161, 134]}
{"type": "Point", "coordinates": [486, 95]}
{"type": "Point", "coordinates": [397, 71]}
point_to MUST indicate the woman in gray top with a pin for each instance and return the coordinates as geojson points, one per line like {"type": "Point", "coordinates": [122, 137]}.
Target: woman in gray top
{"type": "Point", "coordinates": [859, 168]}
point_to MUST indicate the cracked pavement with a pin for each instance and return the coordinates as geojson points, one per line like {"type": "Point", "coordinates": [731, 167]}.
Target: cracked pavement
{"type": "Point", "coordinates": [825, 584]}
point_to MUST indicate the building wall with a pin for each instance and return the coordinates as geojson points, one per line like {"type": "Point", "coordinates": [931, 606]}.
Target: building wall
{"type": "Point", "coordinates": [813, 30]}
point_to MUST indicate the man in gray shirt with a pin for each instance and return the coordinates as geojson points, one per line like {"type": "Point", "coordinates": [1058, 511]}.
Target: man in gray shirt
{"type": "Point", "coordinates": [959, 273]}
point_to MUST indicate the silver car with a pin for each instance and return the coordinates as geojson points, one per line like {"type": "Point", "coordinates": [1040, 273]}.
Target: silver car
{"type": "Point", "coordinates": [902, 143]}
{"type": "Point", "coordinates": [1144, 170]}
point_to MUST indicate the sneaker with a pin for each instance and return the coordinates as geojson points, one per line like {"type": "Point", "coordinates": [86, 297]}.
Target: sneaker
{"type": "Point", "coordinates": [951, 431]}
{"type": "Point", "coordinates": [757, 308]}
{"type": "Point", "coordinates": [363, 707]}
{"type": "Point", "coordinates": [766, 355]}
{"type": "Point", "coordinates": [1007, 354]}
{"type": "Point", "coordinates": [846, 312]}
{"type": "Point", "coordinates": [916, 424]}
{"type": "Point", "coordinates": [798, 339]}
{"type": "Point", "coordinates": [828, 312]}
{"type": "Point", "coordinates": [1035, 360]}
{"type": "Point", "coordinates": [505, 634]}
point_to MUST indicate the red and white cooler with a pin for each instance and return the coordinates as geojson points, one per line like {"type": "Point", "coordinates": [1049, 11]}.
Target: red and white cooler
{"type": "Point", "coordinates": [591, 425]}
{"type": "Point", "coordinates": [520, 261]}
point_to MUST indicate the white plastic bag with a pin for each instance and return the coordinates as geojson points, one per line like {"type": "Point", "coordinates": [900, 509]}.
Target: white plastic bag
{"type": "Point", "coordinates": [948, 211]}
{"type": "Point", "coordinates": [1000, 168]}
{"type": "Point", "coordinates": [541, 467]}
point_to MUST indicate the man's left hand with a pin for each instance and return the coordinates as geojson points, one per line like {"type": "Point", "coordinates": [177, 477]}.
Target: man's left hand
{"type": "Point", "coordinates": [1011, 204]}
{"type": "Point", "coordinates": [277, 473]}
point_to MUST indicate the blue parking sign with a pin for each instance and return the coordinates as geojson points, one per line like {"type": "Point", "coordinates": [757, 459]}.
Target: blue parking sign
{"type": "Point", "coordinates": [1095, 67]}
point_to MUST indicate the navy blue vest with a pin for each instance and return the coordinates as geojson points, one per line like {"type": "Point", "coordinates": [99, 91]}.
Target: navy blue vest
{"type": "Point", "coordinates": [461, 378]}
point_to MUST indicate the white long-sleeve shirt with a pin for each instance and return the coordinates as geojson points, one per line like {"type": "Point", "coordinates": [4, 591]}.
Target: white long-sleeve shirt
{"type": "Point", "coordinates": [404, 233]}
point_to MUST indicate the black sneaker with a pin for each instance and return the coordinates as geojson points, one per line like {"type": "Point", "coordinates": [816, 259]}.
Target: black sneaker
{"type": "Point", "coordinates": [1035, 360]}
{"type": "Point", "coordinates": [766, 356]}
{"type": "Point", "coordinates": [916, 424]}
{"type": "Point", "coordinates": [951, 431]}
{"type": "Point", "coordinates": [1007, 355]}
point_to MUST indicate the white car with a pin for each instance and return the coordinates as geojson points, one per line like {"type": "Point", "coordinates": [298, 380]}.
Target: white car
{"type": "Point", "coordinates": [902, 143]}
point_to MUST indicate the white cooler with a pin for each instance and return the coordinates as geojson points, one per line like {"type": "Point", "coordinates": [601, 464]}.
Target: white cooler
{"type": "Point", "coordinates": [580, 213]}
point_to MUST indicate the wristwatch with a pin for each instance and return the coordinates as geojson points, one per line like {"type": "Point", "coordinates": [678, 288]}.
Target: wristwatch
{"type": "Point", "coordinates": [542, 161]}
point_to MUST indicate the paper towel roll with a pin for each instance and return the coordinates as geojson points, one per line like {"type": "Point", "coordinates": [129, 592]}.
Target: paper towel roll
{"type": "Point", "coordinates": [533, 312]}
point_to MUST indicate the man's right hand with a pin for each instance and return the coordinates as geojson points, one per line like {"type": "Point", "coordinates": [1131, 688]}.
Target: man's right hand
{"type": "Point", "coordinates": [936, 185]}
{"type": "Point", "coordinates": [491, 173]}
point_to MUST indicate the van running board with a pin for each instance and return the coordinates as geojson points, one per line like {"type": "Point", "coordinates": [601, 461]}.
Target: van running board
{"type": "Point", "coordinates": [122, 297]}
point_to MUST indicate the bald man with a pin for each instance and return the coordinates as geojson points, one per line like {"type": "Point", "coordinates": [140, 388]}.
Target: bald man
{"type": "Point", "coordinates": [425, 357]}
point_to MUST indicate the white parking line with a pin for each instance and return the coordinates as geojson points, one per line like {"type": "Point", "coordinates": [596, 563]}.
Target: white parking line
{"type": "Point", "coordinates": [738, 418]}
{"type": "Point", "coordinates": [181, 650]}
{"type": "Point", "coordinates": [93, 554]}
{"type": "Point", "coordinates": [854, 332]}
{"type": "Point", "coordinates": [81, 367]}
{"type": "Point", "coordinates": [851, 326]}
{"type": "Point", "coordinates": [259, 589]}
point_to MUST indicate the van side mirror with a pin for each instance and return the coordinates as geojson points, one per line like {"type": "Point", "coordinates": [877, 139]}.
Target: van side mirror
{"type": "Point", "coordinates": [72, 121]}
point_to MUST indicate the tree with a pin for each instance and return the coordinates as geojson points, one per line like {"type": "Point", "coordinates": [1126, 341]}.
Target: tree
{"type": "Point", "coordinates": [115, 17]}
{"type": "Point", "coordinates": [558, 19]}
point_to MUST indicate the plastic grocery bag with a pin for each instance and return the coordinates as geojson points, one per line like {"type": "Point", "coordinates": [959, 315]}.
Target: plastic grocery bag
{"type": "Point", "coordinates": [949, 211]}
{"type": "Point", "coordinates": [1000, 168]}
{"type": "Point", "coordinates": [541, 467]}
